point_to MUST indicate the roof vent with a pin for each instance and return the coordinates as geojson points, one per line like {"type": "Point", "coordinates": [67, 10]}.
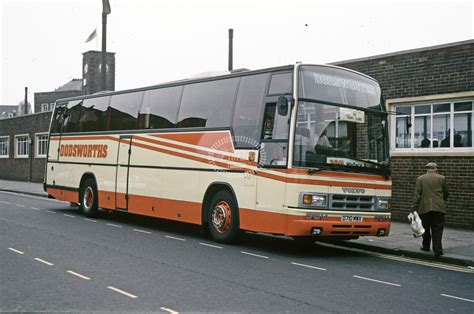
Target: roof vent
{"type": "Point", "coordinates": [209, 74]}
{"type": "Point", "coordinates": [240, 70]}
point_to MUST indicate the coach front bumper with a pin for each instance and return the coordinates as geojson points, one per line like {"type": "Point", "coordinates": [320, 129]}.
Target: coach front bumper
{"type": "Point", "coordinates": [303, 222]}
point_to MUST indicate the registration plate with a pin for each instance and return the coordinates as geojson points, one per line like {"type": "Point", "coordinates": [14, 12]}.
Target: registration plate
{"type": "Point", "coordinates": [351, 218]}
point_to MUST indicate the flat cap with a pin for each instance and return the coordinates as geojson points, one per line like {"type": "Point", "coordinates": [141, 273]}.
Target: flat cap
{"type": "Point", "coordinates": [431, 165]}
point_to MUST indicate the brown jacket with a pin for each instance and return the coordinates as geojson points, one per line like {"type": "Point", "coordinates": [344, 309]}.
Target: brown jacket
{"type": "Point", "coordinates": [431, 193]}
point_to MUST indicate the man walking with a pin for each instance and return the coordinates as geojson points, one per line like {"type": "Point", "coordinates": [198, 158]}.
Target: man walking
{"type": "Point", "coordinates": [430, 201]}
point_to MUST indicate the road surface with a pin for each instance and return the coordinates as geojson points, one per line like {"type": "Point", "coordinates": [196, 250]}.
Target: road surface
{"type": "Point", "coordinates": [54, 259]}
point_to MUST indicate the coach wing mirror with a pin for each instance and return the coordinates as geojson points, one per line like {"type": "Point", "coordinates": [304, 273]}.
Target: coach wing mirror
{"type": "Point", "coordinates": [282, 106]}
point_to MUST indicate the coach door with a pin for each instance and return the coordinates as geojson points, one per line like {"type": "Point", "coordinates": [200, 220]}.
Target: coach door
{"type": "Point", "coordinates": [273, 156]}
{"type": "Point", "coordinates": [121, 181]}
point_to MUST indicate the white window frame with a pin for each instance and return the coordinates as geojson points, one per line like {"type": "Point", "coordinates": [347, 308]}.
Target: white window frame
{"type": "Point", "coordinates": [427, 100]}
{"type": "Point", "coordinates": [27, 147]}
{"type": "Point", "coordinates": [37, 145]}
{"type": "Point", "coordinates": [44, 107]}
{"type": "Point", "coordinates": [8, 146]}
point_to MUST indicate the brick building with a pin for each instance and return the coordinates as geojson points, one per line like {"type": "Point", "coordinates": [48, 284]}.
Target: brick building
{"type": "Point", "coordinates": [91, 69]}
{"type": "Point", "coordinates": [89, 84]}
{"type": "Point", "coordinates": [8, 111]}
{"type": "Point", "coordinates": [44, 101]}
{"type": "Point", "coordinates": [23, 144]}
{"type": "Point", "coordinates": [428, 91]}
{"type": "Point", "coordinates": [430, 94]}
{"type": "Point", "coordinates": [23, 138]}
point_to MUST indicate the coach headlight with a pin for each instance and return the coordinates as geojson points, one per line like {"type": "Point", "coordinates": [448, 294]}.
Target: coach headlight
{"type": "Point", "coordinates": [313, 200]}
{"type": "Point", "coordinates": [383, 203]}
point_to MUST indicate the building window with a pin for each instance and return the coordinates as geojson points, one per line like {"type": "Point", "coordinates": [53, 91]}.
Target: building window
{"type": "Point", "coordinates": [4, 147]}
{"type": "Point", "coordinates": [47, 107]}
{"type": "Point", "coordinates": [22, 146]}
{"type": "Point", "coordinates": [41, 145]}
{"type": "Point", "coordinates": [437, 126]}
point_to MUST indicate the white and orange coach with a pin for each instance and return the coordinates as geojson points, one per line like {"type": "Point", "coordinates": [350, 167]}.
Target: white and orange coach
{"type": "Point", "coordinates": [299, 150]}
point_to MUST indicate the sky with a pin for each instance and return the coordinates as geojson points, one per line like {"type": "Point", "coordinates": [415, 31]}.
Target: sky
{"type": "Point", "coordinates": [156, 41]}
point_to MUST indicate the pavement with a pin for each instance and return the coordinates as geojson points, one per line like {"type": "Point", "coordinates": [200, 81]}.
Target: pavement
{"type": "Point", "coordinates": [458, 244]}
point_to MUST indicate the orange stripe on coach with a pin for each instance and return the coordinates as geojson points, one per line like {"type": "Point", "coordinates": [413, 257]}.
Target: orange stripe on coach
{"type": "Point", "coordinates": [193, 150]}
{"type": "Point", "coordinates": [214, 140]}
{"type": "Point", "coordinates": [81, 138]}
{"type": "Point", "coordinates": [322, 182]}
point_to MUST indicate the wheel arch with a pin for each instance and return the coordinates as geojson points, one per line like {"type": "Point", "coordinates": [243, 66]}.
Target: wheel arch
{"type": "Point", "coordinates": [85, 176]}
{"type": "Point", "coordinates": [211, 190]}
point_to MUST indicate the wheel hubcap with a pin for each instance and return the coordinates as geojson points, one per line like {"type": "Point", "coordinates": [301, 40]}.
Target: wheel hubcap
{"type": "Point", "coordinates": [88, 198]}
{"type": "Point", "coordinates": [221, 217]}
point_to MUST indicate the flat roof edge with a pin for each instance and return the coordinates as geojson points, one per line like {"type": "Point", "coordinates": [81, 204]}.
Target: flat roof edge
{"type": "Point", "coordinates": [27, 115]}
{"type": "Point", "coordinates": [402, 52]}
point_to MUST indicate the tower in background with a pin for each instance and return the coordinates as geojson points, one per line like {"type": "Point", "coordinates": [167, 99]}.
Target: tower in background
{"type": "Point", "coordinates": [91, 70]}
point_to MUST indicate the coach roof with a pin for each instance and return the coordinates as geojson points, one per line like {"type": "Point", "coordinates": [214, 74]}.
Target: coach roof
{"type": "Point", "coordinates": [206, 79]}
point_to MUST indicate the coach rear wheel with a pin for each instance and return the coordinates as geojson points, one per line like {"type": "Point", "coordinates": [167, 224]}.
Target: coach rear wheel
{"type": "Point", "coordinates": [223, 217]}
{"type": "Point", "coordinates": [89, 198]}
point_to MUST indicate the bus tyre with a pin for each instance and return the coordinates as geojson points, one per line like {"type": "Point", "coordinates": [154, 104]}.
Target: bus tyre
{"type": "Point", "coordinates": [223, 218]}
{"type": "Point", "coordinates": [89, 198]}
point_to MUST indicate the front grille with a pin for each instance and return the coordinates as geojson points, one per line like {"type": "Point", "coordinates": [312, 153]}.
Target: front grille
{"type": "Point", "coordinates": [351, 202]}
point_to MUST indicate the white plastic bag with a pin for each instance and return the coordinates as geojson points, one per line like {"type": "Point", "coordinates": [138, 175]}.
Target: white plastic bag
{"type": "Point", "coordinates": [416, 225]}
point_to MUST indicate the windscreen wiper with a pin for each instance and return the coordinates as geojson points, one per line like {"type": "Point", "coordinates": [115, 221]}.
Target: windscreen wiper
{"type": "Point", "coordinates": [314, 170]}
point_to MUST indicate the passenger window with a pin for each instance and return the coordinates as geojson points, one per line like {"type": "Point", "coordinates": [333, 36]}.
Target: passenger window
{"type": "Point", "coordinates": [123, 111]}
{"type": "Point", "coordinates": [281, 84]}
{"type": "Point", "coordinates": [58, 118]}
{"type": "Point", "coordinates": [208, 104]}
{"type": "Point", "coordinates": [274, 147]}
{"type": "Point", "coordinates": [273, 154]}
{"type": "Point", "coordinates": [71, 118]}
{"type": "Point", "coordinates": [94, 114]}
{"type": "Point", "coordinates": [249, 109]}
{"type": "Point", "coordinates": [275, 127]}
{"type": "Point", "coordinates": [160, 108]}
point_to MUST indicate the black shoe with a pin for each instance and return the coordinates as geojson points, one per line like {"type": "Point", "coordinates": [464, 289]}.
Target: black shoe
{"type": "Point", "coordinates": [424, 249]}
{"type": "Point", "coordinates": [438, 254]}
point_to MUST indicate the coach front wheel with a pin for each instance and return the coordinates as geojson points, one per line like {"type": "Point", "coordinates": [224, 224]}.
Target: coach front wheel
{"type": "Point", "coordinates": [89, 198]}
{"type": "Point", "coordinates": [223, 217]}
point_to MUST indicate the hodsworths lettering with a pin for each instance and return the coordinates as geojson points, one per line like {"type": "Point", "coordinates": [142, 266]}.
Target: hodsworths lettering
{"type": "Point", "coordinates": [84, 150]}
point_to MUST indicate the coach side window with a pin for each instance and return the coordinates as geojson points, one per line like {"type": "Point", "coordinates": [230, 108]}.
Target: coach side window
{"type": "Point", "coordinates": [72, 115]}
{"type": "Point", "coordinates": [248, 110]}
{"type": "Point", "coordinates": [160, 108]}
{"type": "Point", "coordinates": [274, 142]}
{"type": "Point", "coordinates": [94, 114]}
{"type": "Point", "coordinates": [58, 118]}
{"type": "Point", "coordinates": [123, 111]}
{"type": "Point", "coordinates": [281, 84]}
{"type": "Point", "coordinates": [208, 104]}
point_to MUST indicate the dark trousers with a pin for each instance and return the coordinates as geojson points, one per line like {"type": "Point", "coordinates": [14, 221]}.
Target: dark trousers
{"type": "Point", "coordinates": [433, 222]}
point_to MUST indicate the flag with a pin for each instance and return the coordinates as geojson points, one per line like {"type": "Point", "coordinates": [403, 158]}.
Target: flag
{"type": "Point", "coordinates": [92, 36]}
{"type": "Point", "coordinates": [106, 6]}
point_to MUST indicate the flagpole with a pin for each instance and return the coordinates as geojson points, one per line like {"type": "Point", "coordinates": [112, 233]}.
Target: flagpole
{"type": "Point", "coordinates": [105, 10]}
{"type": "Point", "coordinates": [104, 49]}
